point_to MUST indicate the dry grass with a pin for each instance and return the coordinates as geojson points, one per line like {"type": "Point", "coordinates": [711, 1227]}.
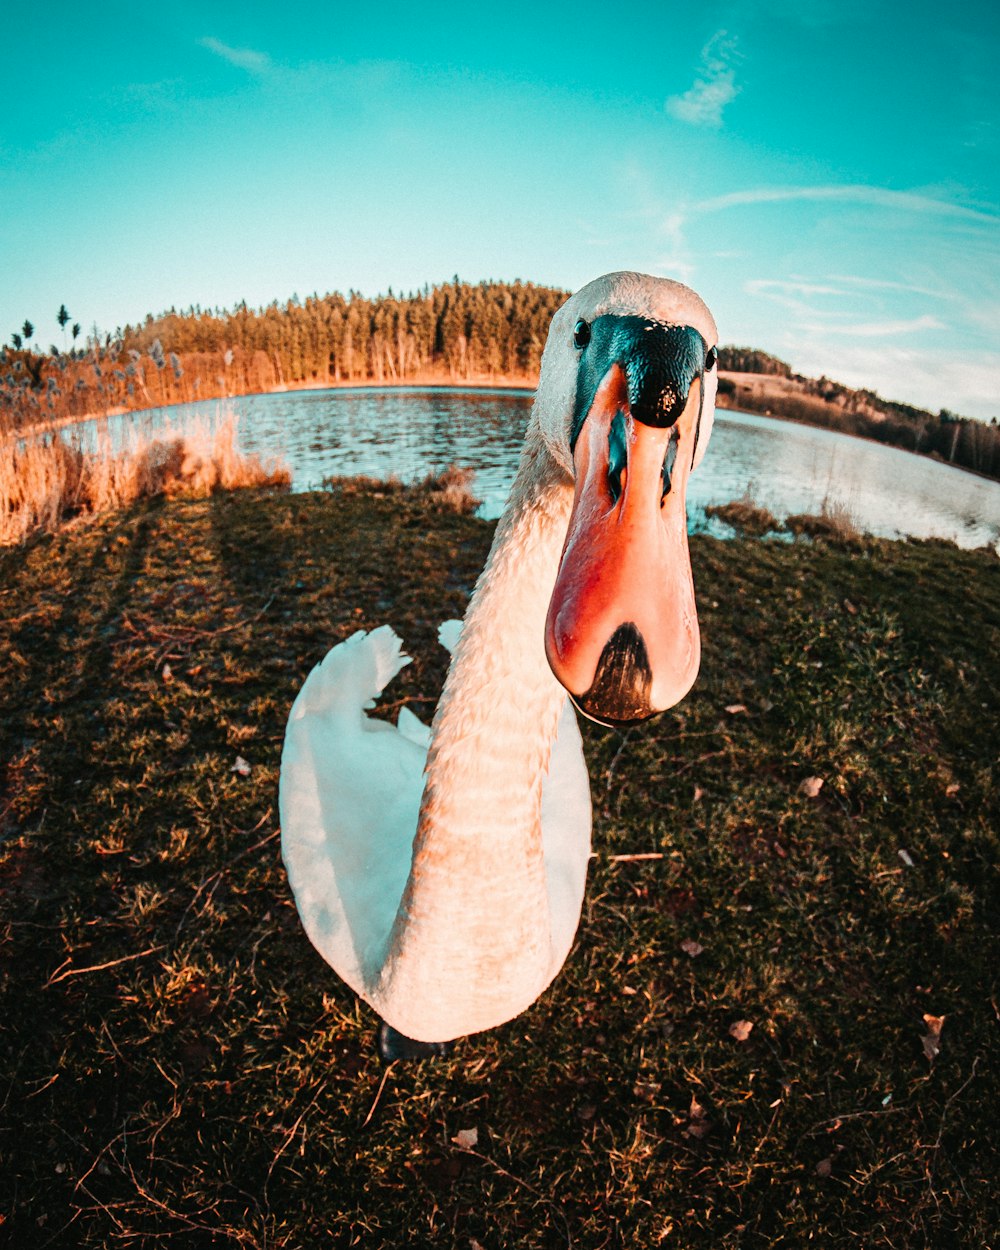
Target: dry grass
{"type": "Point", "coordinates": [46, 479]}
{"type": "Point", "coordinates": [447, 491]}
{"type": "Point", "coordinates": [746, 515]}
{"type": "Point", "coordinates": [835, 522]}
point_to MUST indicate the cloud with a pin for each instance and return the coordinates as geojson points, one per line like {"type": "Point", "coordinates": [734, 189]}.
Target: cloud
{"type": "Point", "coordinates": [244, 58]}
{"type": "Point", "coordinates": [881, 197]}
{"type": "Point", "coordinates": [763, 286]}
{"type": "Point", "coordinates": [883, 284]}
{"type": "Point", "coordinates": [932, 378]}
{"type": "Point", "coordinates": [793, 294]}
{"type": "Point", "coordinates": [676, 261]}
{"type": "Point", "coordinates": [714, 87]}
{"type": "Point", "coordinates": [881, 329]}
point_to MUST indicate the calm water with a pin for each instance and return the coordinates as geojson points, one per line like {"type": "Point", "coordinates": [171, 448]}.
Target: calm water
{"type": "Point", "coordinates": [788, 468]}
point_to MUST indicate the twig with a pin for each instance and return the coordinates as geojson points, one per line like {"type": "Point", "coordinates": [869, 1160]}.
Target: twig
{"type": "Point", "coordinates": [96, 1160]}
{"type": "Point", "coordinates": [628, 859]}
{"type": "Point", "coordinates": [767, 1134]}
{"type": "Point", "coordinates": [848, 1115]}
{"type": "Point", "coordinates": [216, 876]}
{"type": "Point", "coordinates": [51, 1081]}
{"type": "Point", "coordinates": [183, 633]}
{"type": "Point", "coordinates": [853, 1115]}
{"type": "Point", "coordinates": [614, 762]}
{"type": "Point", "coordinates": [79, 972]}
{"type": "Point", "coordinates": [292, 1131]}
{"type": "Point", "coordinates": [944, 1113]}
{"type": "Point", "coordinates": [378, 1095]}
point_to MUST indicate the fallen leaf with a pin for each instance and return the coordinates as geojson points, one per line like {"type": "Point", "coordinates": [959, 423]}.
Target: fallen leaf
{"type": "Point", "coordinates": [699, 793]}
{"type": "Point", "coordinates": [734, 709]}
{"type": "Point", "coordinates": [905, 857]}
{"type": "Point", "coordinates": [952, 789]}
{"type": "Point", "coordinates": [811, 787]}
{"type": "Point", "coordinates": [741, 1029]}
{"type": "Point", "coordinates": [466, 1138]}
{"type": "Point", "coordinates": [849, 607]}
{"type": "Point", "coordinates": [698, 1124]}
{"type": "Point", "coordinates": [242, 766]}
{"type": "Point", "coordinates": [690, 947]}
{"type": "Point", "coordinates": [932, 1038]}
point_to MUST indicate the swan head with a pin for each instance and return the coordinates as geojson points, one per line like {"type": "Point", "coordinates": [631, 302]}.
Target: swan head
{"type": "Point", "coordinates": [625, 404]}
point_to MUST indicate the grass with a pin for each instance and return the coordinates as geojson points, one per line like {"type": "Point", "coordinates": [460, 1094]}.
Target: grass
{"type": "Point", "coordinates": [46, 479]}
{"type": "Point", "coordinates": [834, 522]}
{"type": "Point", "coordinates": [178, 1067]}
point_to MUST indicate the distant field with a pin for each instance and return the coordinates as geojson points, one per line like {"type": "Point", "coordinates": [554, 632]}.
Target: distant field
{"type": "Point", "coordinates": [781, 1030]}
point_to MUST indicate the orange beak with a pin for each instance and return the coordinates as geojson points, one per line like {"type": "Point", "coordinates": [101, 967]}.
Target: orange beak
{"type": "Point", "coordinates": [622, 628]}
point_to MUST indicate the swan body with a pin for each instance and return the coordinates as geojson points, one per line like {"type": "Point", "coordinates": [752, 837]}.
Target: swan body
{"type": "Point", "coordinates": [357, 783]}
{"type": "Point", "coordinates": [441, 872]}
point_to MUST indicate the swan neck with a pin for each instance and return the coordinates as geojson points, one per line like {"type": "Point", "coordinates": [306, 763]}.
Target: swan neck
{"type": "Point", "coordinates": [472, 943]}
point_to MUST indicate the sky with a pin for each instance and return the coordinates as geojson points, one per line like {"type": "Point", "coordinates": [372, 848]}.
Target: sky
{"type": "Point", "coordinates": [824, 172]}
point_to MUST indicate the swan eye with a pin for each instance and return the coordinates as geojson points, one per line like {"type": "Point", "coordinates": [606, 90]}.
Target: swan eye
{"type": "Point", "coordinates": [711, 356]}
{"type": "Point", "coordinates": [581, 334]}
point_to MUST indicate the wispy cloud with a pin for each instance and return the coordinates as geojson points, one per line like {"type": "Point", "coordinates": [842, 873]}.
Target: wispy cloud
{"type": "Point", "coordinates": [880, 329]}
{"type": "Point", "coordinates": [763, 286]}
{"type": "Point", "coordinates": [881, 197]}
{"type": "Point", "coordinates": [714, 86]}
{"type": "Point", "coordinates": [884, 284]}
{"type": "Point", "coordinates": [795, 294]}
{"type": "Point", "coordinates": [244, 58]}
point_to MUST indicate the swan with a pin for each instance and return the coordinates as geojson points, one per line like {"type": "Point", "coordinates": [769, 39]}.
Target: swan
{"type": "Point", "coordinates": [441, 871]}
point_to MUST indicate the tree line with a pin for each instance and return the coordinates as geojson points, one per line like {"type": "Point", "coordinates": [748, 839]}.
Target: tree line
{"type": "Point", "coordinates": [453, 332]}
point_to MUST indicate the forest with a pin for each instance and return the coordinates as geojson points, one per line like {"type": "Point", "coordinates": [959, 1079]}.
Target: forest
{"type": "Point", "coordinates": [455, 332]}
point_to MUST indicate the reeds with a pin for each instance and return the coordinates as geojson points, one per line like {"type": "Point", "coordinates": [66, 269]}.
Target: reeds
{"type": "Point", "coordinates": [451, 490]}
{"type": "Point", "coordinates": [745, 515]}
{"type": "Point", "coordinates": [834, 522]}
{"type": "Point", "coordinates": [47, 479]}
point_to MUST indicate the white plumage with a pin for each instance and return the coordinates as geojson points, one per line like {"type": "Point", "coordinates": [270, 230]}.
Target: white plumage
{"type": "Point", "coordinates": [350, 796]}
{"type": "Point", "coordinates": [441, 872]}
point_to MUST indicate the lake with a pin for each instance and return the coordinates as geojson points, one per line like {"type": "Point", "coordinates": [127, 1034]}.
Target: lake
{"type": "Point", "coordinates": [413, 431]}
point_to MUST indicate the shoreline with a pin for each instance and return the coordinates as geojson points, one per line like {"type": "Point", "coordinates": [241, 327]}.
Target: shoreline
{"type": "Point", "coordinates": [524, 384]}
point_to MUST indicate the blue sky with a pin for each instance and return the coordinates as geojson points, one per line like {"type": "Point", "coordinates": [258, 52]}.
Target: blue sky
{"type": "Point", "coordinates": [825, 173]}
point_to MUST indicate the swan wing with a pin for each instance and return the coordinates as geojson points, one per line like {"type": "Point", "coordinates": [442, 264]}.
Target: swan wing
{"type": "Point", "coordinates": [349, 798]}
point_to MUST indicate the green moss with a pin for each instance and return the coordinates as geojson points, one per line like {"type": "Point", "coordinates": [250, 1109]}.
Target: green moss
{"type": "Point", "coordinates": [214, 1083]}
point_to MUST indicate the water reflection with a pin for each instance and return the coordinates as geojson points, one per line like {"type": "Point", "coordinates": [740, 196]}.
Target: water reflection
{"type": "Point", "coordinates": [413, 431]}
